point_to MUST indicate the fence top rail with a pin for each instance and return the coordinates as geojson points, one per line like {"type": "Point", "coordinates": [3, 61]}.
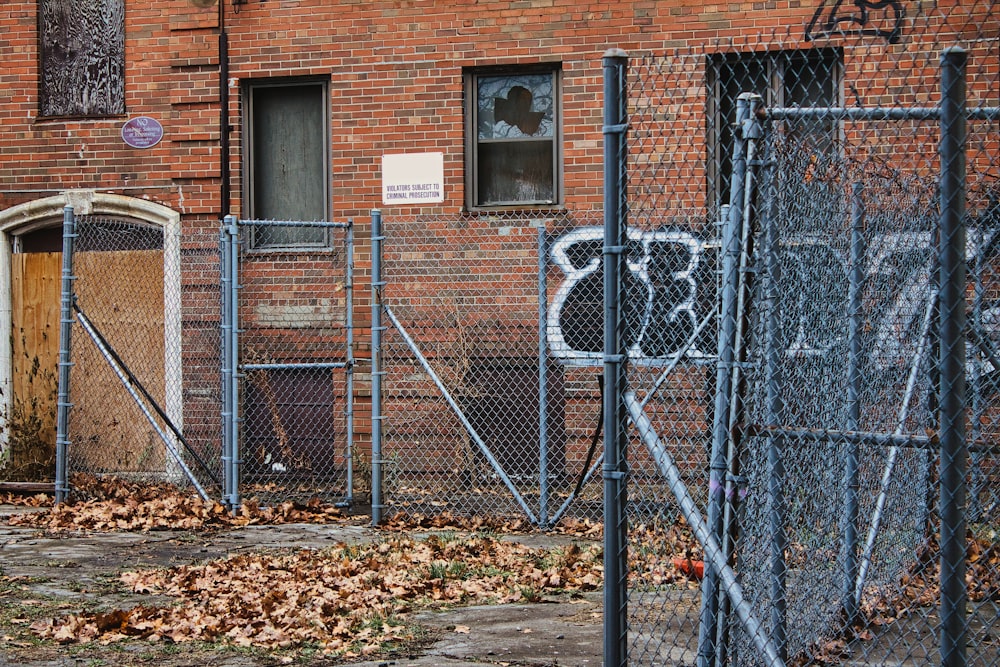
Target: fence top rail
{"type": "Point", "coordinates": [875, 113]}
{"type": "Point", "coordinates": [295, 223]}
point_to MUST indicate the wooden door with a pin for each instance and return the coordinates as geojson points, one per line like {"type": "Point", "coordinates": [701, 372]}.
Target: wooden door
{"type": "Point", "coordinates": [121, 293]}
{"type": "Point", "coordinates": [35, 293]}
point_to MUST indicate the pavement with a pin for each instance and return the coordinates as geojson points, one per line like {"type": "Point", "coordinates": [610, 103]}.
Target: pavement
{"type": "Point", "coordinates": [76, 571]}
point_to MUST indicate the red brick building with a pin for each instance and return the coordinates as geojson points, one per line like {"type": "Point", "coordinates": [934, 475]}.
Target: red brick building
{"type": "Point", "coordinates": [285, 109]}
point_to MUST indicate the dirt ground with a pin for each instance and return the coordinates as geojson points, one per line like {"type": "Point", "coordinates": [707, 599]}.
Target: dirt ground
{"type": "Point", "coordinates": [45, 576]}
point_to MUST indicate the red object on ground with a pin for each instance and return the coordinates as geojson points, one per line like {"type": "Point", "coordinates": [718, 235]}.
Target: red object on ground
{"type": "Point", "coordinates": [691, 568]}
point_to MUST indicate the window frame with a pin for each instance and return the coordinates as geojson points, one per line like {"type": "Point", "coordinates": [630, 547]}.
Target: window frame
{"type": "Point", "coordinates": [471, 78]}
{"type": "Point", "coordinates": [249, 86]}
{"type": "Point", "coordinates": [775, 64]}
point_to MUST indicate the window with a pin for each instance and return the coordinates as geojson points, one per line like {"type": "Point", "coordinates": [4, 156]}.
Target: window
{"type": "Point", "coordinates": [790, 78]}
{"type": "Point", "coordinates": [82, 50]}
{"type": "Point", "coordinates": [287, 163]}
{"type": "Point", "coordinates": [513, 149]}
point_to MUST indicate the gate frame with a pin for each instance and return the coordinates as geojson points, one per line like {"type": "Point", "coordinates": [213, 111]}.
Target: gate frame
{"type": "Point", "coordinates": [232, 368]}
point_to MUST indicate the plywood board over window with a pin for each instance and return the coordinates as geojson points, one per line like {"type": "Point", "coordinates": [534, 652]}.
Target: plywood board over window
{"type": "Point", "coordinates": [82, 47]}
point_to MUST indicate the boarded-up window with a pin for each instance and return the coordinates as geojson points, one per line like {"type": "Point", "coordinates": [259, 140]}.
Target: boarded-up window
{"type": "Point", "coordinates": [82, 57]}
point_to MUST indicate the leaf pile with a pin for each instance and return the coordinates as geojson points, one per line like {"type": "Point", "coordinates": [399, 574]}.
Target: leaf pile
{"type": "Point", "coordinates": [921, 585]}
{"type": "Point", "coordinates": [447, 520]}
{"type": "Point", "coordinates": [349, 599]}
{"type": "Point", "coordinates": [22, 500]}
{"type": "Point", "coordinates": [113, 504]}
{"type": "Point", "coordinates": [659, 553]}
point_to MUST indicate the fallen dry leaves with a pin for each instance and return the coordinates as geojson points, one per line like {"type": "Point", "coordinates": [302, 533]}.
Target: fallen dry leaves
{"type": "Point", "coordinates": [110, 504]}
{"type": "Point", "coordinates": [23, 500]}
{"type": "Point", "coordinates": [349, 599]}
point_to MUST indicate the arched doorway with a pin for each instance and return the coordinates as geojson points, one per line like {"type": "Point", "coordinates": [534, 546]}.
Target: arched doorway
{"type": "Point", "coordinates": [30, 267]}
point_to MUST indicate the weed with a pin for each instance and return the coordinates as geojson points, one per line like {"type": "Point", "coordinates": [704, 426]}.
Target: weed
{"type": "Point", "coordinates": [30, 422]}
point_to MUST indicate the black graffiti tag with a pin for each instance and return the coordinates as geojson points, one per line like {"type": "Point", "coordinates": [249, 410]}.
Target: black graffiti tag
{"type": "Point", "coordinates": [878, 18]}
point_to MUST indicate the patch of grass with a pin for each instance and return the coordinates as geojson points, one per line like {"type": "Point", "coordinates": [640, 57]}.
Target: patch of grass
{"type": "Point", "coordinates": [530, 594]}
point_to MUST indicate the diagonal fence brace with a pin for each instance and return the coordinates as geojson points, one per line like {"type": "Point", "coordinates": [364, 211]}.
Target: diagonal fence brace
{"type": "Point", "coordinates": [135, 388]}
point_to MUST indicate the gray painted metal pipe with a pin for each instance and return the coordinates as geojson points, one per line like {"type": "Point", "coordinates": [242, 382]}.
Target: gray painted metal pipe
{"type": "Point", "coordinates": [349, 355]}
{"type": "Point", "coordinates": [228, 414]}
{"type": "Point", "coordinates": [855, 321]}
{"type": "Point", "coordinates": [951, 337]}
{"type": "Point", "coordinates": [730, 250]}
{"type": "Point", "coordinates": [543, 394]}
{"type": "Point", "coordinates": [377, 373]}
{"type": "Point", "coordinates": [63, 404]}
{"type": "Point", "coordinates": [614, 64]}
{"type": "Point", "coordinates": [777, 518]}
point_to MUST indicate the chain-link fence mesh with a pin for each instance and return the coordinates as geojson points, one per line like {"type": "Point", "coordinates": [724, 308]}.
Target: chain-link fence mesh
{"type": "Point", "coordinates": [806, 425]}
{"type": "Point", "coordinates": [293, 340]}
{"type": "Point", "coordinates": [479, 417]}
{"type": "Point", "coordinates": [126, 388]}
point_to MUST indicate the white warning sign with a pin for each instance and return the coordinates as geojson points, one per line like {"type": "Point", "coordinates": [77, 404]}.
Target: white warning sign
{"type": "Point", "coordinates": [412, 178]}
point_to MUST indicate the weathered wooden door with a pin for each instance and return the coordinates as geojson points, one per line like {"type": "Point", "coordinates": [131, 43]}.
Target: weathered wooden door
{"type": "Point", "coordinates": [35, 290]}
{"type": "Point", "coordinates": [121, 294]}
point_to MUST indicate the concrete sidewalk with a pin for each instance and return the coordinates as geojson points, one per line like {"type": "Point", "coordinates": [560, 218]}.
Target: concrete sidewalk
{"type": "Point", "coordinates": [69, 573]}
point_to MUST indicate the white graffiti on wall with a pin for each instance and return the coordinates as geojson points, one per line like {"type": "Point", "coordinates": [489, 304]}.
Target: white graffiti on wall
{"type": "Point", "coordinates": [660, 263]}
{"type": "Point", "coordinates": [670, 291]}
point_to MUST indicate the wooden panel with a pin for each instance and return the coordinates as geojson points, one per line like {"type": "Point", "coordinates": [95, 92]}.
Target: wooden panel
{"type": "Point", "coordinates": [121, 293]}
{"type": "Point", "coordinates": [82, 57]}
{"type": "Point", "coordinates": [35, 290]}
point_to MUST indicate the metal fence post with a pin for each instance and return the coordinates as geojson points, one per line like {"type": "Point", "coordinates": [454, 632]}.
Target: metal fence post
{"type": "Point", "coordinates": [730, 251]}
{"type": "Point", "coordinates": [615, 62]}
{"type": "Point", "coordinates": [377, 372]}
{"type": "Point", "coordinates": [855, 321]}
{"type": "Point", "coordinates": [230, 401]}
{"type": "Point", "coordinates": [65, 363]}
{"type": "Point", "coordinates": [951, 291]}
{"type": "Point", "coordinates": [777, 518]}
{"type": "Point", "coordinates": [543, 408]}
{"type": "Point", "coordinates": [349, 358]}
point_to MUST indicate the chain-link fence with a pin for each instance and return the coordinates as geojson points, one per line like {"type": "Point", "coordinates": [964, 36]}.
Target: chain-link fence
{"type": "Point", "coordinates": [477, 416]}
{"type": "Point", "coordinates": [288, 339]}
{"type": "Point", "coordinates": [121, 334]}
{"type": "Point", "coordinates": [818, 439]}
{"type": "Point", "coordinates": [286, 362]}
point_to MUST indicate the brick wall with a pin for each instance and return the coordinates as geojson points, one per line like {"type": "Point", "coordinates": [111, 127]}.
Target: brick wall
{"type": "Point", "coordinates": [396, 86]}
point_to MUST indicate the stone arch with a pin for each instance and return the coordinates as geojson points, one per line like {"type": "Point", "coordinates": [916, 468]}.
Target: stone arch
{"type": "Point", "coordinates": [49, 212]}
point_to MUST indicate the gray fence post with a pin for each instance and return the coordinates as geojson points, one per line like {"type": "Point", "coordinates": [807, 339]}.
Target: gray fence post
{"type": "Point", "coordinates": [377, 372]}
{"type": "Point", "coordinates": [543, 397]}
{"type": "Point", "coordinates": [777, 519]}
{"type": "Point", "coordinates": [951, 291]}
{"type": "Point", "coordinates": [855, 321]}
{"type": "Point", "coordinates": [349, 358]}
{"type": "Point", "coordinates": [615, 62]}
{"type": "Point", "coordinates": [230, 357]}
{"type": "Point", "coordinates": [709, 625]}
{"type": "Point", "coordinates": [65, 334]}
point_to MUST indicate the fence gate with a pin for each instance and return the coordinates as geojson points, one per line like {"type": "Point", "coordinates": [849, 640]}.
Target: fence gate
{"type": "Point", "coordinates": [287, 347]}
{"type": "Point", "coordinates": [810, 459]}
